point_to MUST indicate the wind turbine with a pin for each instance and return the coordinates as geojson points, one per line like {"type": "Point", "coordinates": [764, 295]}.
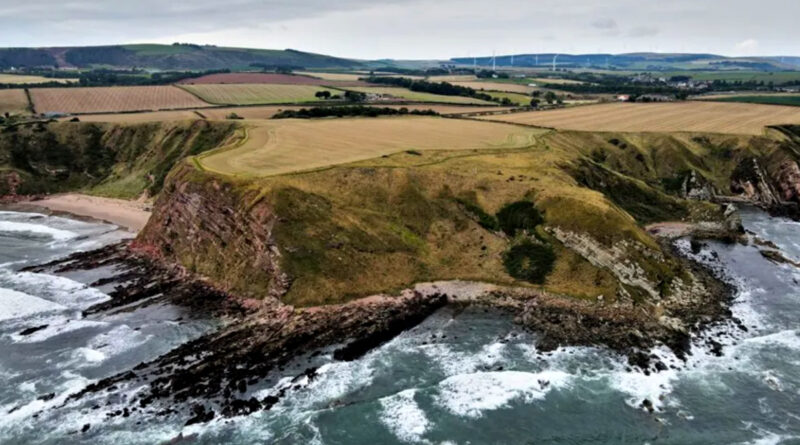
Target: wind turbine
{"type": "Point", "coordinates": [494, 61]}
{"type": "Point", "coordinates": [554, 61]}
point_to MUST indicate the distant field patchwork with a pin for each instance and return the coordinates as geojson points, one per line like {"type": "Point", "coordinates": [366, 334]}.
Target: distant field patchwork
{"type": "Point", "coordinates": [13, 102]}
{"type": "Point", "coordinates": [713, 117]}
{"type": "Point", "coordinates": [254, 94]}
{"type": "Point", "coordinates": [285, 146]}
{"type": "Point", "coordinates": [112, 99]}
{"type": "Point", "coordinates": [415, 96]}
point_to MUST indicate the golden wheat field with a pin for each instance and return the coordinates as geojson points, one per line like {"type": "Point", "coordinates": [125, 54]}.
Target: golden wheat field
{"type": "Point", "coordinates": [23, 79]}
{"type": "Point", "coordinates": [497, 86]}
{"type": "Point", "coordinates": [253, 94]}
{"type": "Point", "coordinates": [709, 117]}
{"type": "Point", "coordinates": [290, 145]}
{"type": "Point", "coordinates": [13, 101]}
{"type": "Point", "coordinates": [112, 99]}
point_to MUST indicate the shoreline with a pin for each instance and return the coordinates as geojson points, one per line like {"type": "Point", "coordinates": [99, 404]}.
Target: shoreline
{"type": "Point", "coordinates": [129, 215]}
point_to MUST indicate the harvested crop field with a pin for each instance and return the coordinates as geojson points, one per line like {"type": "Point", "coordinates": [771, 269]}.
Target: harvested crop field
{"type": "Point", "coordinates": [23, 79]}
{"type": "Point", "coordinates": [112, 99]}
{"type": "Point", "coordinates": [13, 102]}
{"type": "Point", "coordinates": [712, 117]}
{"type": "Point", "coordinates": [253, 94]}
{"type": "Point", "coordinates": [285, 146]}
{"type": "Point", "coordinates": [236, 78]}
{"type": "Point", "coordinates": [257, 112]}
{"type": "Point", "coordinates": [341, 77]}
{"type": "Point", "coordinates": [497, 86]}
{"type": "Point", "coordinates": [415, 96]}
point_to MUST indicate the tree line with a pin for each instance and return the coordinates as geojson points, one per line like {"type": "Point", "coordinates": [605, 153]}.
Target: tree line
{"type": "Point", "coordinates": [349, 111]}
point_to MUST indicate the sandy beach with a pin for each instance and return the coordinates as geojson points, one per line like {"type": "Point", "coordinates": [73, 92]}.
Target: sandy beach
{"type": "Point", "coordinates": [132, 215]}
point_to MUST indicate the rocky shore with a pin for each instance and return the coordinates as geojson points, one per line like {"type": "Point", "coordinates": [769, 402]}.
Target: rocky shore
{"type": "Point", "coordinates": [220, 374]}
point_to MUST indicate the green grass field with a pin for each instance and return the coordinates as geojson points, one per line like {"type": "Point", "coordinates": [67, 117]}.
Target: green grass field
{"type": "Point", "coordinates": [515, 98]}
{"type": "Point", "coordinates": [744, 76]}
{"type": "Point", "coordinates": [255, 94]}
{"type": "Point", "coordinates": [775, 99]}
{"type": "Point", "coordinates": [415, 96]}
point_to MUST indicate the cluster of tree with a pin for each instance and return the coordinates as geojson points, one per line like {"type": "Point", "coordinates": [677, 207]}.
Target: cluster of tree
{"type": "Point", "coordinates": [489, 74]}
{"type": "Point", "coordinates": [273, 68]}
{"type": "Point", "coordinates": [346, 111]}
{"type": "Point", "coordinates": [423, 86]}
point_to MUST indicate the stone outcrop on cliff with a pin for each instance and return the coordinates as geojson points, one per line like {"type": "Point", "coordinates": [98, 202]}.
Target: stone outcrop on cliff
{"type": "Point", "coordinates": [209, 229]}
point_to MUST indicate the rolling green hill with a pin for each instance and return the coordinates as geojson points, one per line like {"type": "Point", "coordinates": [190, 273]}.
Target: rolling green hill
{"type": "Point", "coordinates": [167, 57]}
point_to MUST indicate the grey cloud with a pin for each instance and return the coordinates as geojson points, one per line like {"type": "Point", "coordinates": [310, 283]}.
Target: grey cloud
{"type": "Point", "coordinates": [643, 31]}
{"type": "Point", "coordinates": [605, 24]}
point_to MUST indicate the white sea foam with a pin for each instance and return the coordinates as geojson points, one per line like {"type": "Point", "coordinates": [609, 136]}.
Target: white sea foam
{"type": "Point", "coordinates": [404, 418]}
{"type": "Point", "coordinates": [56, 326]}
{"type": "Point", "coordinates": [14, 304]}
{"type": "Point", "coordinates": [36, 230]}
{"type": "Point", "coordinates": [469, 395]}
{"type": "Point", "coordinates": [61, 290]}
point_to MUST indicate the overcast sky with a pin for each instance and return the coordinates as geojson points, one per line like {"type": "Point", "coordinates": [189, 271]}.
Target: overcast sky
{"type": "Point", "coordinates": [415, 29]}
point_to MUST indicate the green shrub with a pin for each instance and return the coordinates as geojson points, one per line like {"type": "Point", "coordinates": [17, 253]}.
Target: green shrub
{"type": "Point", "coordinates": [521, 215]}
{"type": "Point", "coordinates": [485, 220]}
{"type": "Point", "coordinates": [529, 261]}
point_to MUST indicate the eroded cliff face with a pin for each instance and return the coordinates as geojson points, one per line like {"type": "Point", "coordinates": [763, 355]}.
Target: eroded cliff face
{"type": "Point", "coordinates": [206, 225]}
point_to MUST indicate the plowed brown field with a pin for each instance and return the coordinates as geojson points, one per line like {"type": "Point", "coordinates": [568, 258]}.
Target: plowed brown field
{"type": "Point", "coordinates": [112, 99]}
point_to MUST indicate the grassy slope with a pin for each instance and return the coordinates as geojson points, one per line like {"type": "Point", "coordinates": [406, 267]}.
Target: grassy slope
{"type": "Point", "coordinates": [116, 160]}
{"type": "Point", "coordinates": [383, 224]}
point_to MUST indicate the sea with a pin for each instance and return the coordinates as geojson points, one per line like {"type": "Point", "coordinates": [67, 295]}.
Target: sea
{"type": "Point", "coordinates": [463, 376]}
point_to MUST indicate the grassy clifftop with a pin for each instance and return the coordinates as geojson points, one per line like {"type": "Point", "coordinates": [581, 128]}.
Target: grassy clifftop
{"type": "Point", "coordinates": [380, 225]}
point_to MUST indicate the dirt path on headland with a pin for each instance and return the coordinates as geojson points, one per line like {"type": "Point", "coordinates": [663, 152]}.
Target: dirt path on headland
{"type": "Point", "coordinates": [132, 215]}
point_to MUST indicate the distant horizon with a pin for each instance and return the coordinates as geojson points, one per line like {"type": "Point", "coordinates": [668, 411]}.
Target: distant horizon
{"type": "Point", "coordinates": [448, 58]}
{"type": "Point", "coordinates": [416, 29]}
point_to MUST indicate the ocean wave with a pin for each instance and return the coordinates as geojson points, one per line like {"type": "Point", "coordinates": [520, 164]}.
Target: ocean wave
{"type": "Point", "coordinates": [36, 230]}
{"type": "Point", "coordinates": [469, 395]}
{"type": "Point", "coordinates": [404, 418]}
{"type": "Point", "coordinates": [15, 304]}
{"type": "Point", "coordinates": [61, 290]}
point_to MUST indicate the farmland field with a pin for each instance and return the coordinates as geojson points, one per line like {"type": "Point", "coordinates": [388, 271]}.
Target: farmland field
{"type": "Point", "coordinates": [696, 116]}
{"type": "Point", "coordinates": [22, 79]}
{"type": "Point", "coordinates": [253, 94]}
{"type": "Point", "coordinates": [237, 78]}
{"type": "Point", "coordinates": [769, 99]}
{"type": "Point", "coordinates": [515, 98]}
{"type": "Point", "coordinates": [278, 147]}
{"type": "Point", "coordinates": [497, 86]}
{"type": "Point", "coordinates": [112, 99]}
{"type": "Point", "coordinates": [402, 93]}
{"type": "Point", "coordinates": [13, 101]}
{"type": "Point", "coordinates": [342, 77]}
{"type": "Point", "coordinates": [254, 113]}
